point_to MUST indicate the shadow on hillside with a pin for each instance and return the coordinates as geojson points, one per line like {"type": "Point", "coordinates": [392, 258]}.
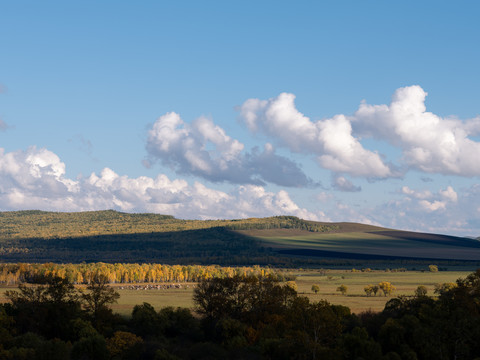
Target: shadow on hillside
{"type": "Point", "coordinates": [431, 238]}
{"type": "Point", "coordinates": [217, 245]}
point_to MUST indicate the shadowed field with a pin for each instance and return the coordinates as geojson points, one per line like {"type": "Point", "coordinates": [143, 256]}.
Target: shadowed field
{"type": "Point", "coordinates": [358, 241]}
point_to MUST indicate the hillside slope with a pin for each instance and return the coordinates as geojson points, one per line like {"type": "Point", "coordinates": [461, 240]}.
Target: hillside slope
{"type": "Point", "coordinates": [359, 241]}
{"type": "Point", "coordinates": [110, 236]}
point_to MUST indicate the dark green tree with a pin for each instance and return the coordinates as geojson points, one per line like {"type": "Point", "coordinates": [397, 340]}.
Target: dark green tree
{"type": "Point", "coordinates": [421, 290]}
{"type": "Point", "coordinates": [46, 309]}
{"type": "Point", "coordinates": [146, 321]}
{"type": "Point", "coordinates": [98, 298]}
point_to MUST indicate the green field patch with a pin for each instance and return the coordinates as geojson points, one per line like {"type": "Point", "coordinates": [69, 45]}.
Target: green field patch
{"type": "Point", "coordinates": [391, 243]}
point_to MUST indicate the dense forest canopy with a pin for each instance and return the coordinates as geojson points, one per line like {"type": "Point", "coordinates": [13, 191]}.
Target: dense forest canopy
{"type": "Point", "coordinates": [238, 317]}
{"type": "Point", "coordinates": [111, 236]}
{"type": "Point", "coordinates": [51, 225]}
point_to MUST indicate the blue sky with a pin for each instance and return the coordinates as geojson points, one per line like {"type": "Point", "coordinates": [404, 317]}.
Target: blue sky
{"type": "Point", "coordinates": [334, 111]}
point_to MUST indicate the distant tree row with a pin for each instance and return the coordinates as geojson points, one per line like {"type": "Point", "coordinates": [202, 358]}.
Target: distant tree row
{"type": "Point", "coordinates": [126, 273]}
{"type": "Point", "coordinates": [279, 222]}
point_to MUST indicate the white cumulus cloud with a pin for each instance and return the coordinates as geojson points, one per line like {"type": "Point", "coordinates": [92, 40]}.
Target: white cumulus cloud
{"type": "Point", "coordinates": [205, 150]}
{"type": "Point", "coordinates": [429, 142]}
{"type": "Point", "coordinates": [432, 201]}
{"type": "Point", "coordinates": [330, 140]}
{"type": "Point", "coordinates": [35, 179]}
{"type": "Point", "coordinates": [445, 211]}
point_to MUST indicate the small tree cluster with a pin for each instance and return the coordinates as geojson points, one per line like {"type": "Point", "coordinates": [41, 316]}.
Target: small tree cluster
{"type": "Point", "coordinates": [371, 289]}
{"type": "Point", "coordinates": [343, 289]}
{"type": "Point", "coordinates": [421, 290]}
{"type": "Point", "coordinates": [386, 287]}
{"type": "Point", "coordinates": [441, 288]}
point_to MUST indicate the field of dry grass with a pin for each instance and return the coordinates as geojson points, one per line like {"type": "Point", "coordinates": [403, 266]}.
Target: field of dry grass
{"type": "Point", "coordinates": [355, 299]}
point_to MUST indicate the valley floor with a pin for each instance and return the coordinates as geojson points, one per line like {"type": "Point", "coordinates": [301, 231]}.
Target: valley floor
{"type": "Point", "coordinates": [327, 280]}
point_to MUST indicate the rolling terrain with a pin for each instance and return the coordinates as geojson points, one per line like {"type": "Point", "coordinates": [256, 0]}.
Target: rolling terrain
{"type": "Point", "coordinates": [359, 241]}
{"type": "Point", "coordinates": [110, 236]}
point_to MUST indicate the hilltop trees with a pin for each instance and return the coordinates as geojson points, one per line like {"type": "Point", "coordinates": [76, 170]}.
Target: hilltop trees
{"type": "Point", "coordinates": [25, 224]}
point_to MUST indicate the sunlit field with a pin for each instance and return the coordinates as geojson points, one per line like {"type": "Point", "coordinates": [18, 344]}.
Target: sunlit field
{"type": "Point", "coordinates": [355, 298]}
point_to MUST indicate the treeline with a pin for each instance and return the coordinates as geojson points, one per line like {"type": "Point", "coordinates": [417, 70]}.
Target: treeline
{"type": "Point", "coordinates": [279, 222]}
{"type": "Point", "coordinates": [237, 318]}
{"type": "Point", "coordinates": [54, 225]}
{"type": "Point", "coordinates": [11, 274]}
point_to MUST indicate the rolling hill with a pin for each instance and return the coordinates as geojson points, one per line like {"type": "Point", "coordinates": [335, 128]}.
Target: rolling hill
{"type": "Point", "coordinates": [111, 236]}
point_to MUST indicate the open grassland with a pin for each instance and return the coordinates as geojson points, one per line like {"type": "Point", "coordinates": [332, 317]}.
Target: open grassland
{"type": "Point", "coordinates": [355, 299]}
{"type": "Point", "coordinates": [157, 298]}
{"type": "Point", "coordinates": [364, 240]}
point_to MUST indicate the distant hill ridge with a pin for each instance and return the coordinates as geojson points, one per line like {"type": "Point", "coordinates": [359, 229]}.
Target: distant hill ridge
{"type": "Point", "coordinates": [44, 224]}
{"type": "Point", "coordinates": [112, 236]}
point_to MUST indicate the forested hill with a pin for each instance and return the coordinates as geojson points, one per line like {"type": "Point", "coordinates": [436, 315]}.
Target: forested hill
{"type": "Point", "coordinates": [111, 236]}
{"type": "Point", "coordinates": [51, 225]}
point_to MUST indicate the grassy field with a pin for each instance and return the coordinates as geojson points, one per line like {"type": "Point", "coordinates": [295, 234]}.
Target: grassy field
{"type": "Point", "coordinates": [355, 299]}
{"type": "Point", "coordinates": [361, 239]}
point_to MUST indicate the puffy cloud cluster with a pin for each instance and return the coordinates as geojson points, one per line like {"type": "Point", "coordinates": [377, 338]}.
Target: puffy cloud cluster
{"type": "Point", "coordinates": [204, 149]}
{"type": "Point", "coordinates": [428, 142]}
{"type": "Point", "coordinates": [331, 140]}
{"type": "Point", "coordinates": [444, 211]}
{"type": "Point", "coordinates": [28, 177]}
{"type": "Point", "coordinates": [432, 202]}
{"type": "Point", "coordinates": [35, 179]}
